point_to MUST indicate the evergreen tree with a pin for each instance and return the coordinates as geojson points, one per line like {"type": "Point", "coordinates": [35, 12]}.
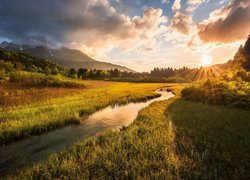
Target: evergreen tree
{"type": "Point", "coordinates": [246, 61]}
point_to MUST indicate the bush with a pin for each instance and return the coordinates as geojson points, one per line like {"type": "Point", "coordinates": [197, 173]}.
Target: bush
{"type": "Point", "coordinates": [6, 66]}
{"type": "Point", "coordinates": [47, 71]}
{"type": "Point", "coordinates": [2, 74]}
{"type": "Point", "coordinates": [230, 90]}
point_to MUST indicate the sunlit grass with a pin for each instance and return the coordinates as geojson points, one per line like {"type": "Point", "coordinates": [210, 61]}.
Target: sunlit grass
{"type": "Point", "coordinates": [27, 120]}
{"type": "Point", "coordinates": [144, 149]}
{"type": "Point", "coordinates": [213, 142]}
{"type": "Point", "coordinates": [172, 139]}
{"type": "Point", "coordinates": [231, 90]}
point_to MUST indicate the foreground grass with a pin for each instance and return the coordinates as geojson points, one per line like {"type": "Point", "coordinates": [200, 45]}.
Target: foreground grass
{"type": "Point", "coordinates": [144, 149]}
{"type": "Point", "coordinates": [33, 119]}
{"type": "Point", "coordinates": [173, 139]}
{"type": "Point", "coordinates": [213, 142]}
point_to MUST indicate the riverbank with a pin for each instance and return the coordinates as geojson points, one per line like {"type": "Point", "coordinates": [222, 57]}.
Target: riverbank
{"type": "Point", "coordinates": [38, 148]}
{"type": "Point", "coordinates": [146, 146]}
{"type": "Point", "coordinates": [30, 119]}
{"type": "Point", "coordinates": [169, 139]}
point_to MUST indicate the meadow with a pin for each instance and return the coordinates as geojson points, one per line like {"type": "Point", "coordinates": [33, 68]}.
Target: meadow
{"type": "Point", "coordinates": [143, 149]}
{"type": "Point", "coordinates": [169, 139]}
{"type": "Point", "coordinates": [36, 117]}
{"type": "Point", "coordinates": [212, 142]}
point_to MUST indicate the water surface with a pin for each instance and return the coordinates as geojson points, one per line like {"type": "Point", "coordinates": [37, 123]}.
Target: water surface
{"type": "Point", "coordinates": [37, 148]}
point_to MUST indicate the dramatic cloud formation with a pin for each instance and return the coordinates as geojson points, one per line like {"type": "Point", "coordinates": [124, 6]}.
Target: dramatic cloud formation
{"type": "Point", "coordinates": [121, 31]}
{"type": "Point", "coordinates": [227, 24]}
{"type": "Point", "coordinates": [89, 24]}
{"type": "Point", "coordinates": [181, 22]}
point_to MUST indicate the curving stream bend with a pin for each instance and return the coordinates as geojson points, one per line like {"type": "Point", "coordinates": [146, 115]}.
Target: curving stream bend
{"type": "Point", "coordinates": [37, 148]}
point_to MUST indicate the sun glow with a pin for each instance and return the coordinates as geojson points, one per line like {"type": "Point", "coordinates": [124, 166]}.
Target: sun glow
{"type": "Point", "coordinates": [206, 60]}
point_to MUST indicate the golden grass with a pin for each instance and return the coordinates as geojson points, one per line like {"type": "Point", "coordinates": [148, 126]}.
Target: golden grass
{"type": "Point", "coordinates": [31, 119]}
{"type": "Point", "coordinates": [213, 142]}
{"type": "Point", "coordinates": [143, 150]}
{"type": "Point", "coordinates": [13, 95]}
{"type": "Point", "coordinates": [173, 139]}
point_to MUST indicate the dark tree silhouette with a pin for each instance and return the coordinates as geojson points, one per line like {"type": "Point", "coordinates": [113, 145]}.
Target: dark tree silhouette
{"type": "Point", "coordinates": [72, 73]}
{"type": "Point", "coordinates": [246, 61]}
{"type": "Point", "coordinates": [82, 73]}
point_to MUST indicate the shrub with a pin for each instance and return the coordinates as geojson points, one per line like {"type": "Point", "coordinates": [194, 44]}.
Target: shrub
{"type": "Point", "coordinates": [47, 71]}
{"type": "Point", "coordinates": [54, 71]}
{"type": "Point", "coordinates": [230, 90]}
{"type": "Point", "coordinates": [2, 74]}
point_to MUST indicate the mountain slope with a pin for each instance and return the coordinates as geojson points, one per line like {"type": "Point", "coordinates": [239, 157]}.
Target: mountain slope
{"type": "Point", "coordinates": [18, 60]}
{"type": "Point", "coordinates": [63, 56]}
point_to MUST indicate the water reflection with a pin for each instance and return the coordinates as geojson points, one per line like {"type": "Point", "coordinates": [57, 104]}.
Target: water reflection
{"type": "Point", "coordinates": [37, 148]}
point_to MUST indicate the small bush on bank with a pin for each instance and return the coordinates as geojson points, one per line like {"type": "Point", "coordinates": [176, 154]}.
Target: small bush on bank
{"type": "Point", "coordinates": [2, 75]}
{"type": "Point", "coordinates": [36, 79]}
{"type": "Point", "coordinates": [232, 89]}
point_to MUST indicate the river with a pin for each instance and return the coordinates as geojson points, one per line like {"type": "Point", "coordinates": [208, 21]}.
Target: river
{"type": "Point", "coordinates": [38, 148]}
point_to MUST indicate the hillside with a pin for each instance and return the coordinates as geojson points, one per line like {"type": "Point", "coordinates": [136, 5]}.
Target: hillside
{"type": "Point", "coordinates": [10, 60]}
{"type": "Point", "coordinates": [63, 56]}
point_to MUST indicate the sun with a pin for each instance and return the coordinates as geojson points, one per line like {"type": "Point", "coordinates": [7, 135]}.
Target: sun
{"type": "Point", "coordinates": [206, 60]}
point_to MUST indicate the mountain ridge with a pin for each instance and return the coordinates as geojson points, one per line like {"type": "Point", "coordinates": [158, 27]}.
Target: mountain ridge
{"type": "Point", "coordinates": [70, 58]}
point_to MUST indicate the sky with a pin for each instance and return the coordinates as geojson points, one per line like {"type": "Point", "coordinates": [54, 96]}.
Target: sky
{"type": "Point", "coordinates": [139, 34]}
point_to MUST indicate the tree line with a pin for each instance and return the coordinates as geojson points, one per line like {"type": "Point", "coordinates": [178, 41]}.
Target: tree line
{"type": "Point", "coordinates": [83, 73]}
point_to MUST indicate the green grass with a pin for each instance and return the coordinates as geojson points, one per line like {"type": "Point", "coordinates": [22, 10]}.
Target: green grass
{"type": "Point", "coordinates": [144, 149]}
{"type": "Point", "coordinates": [213, 142]}
{"type": "Point", "coordinates": [173, 139]}
{"type": "Point", "coordinates": [232, 89]}
{"type": "Point", "coordinates": [37, 118]}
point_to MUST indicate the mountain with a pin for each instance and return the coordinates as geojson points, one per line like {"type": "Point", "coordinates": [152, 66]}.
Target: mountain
{"type": "Point", "coordinates": [10, 60]}
{"type": "Point", "coordinates": [63, 56]}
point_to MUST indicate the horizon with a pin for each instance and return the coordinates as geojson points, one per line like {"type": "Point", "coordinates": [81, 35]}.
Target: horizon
{"type": "Point", "coordinates": [141, 35]}
{"type": "Point", "coordinates": [56, 48]}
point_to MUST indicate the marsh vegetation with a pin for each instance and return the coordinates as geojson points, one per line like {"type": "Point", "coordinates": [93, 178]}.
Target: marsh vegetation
{"type": "Point", "coordinates": [32, 119]}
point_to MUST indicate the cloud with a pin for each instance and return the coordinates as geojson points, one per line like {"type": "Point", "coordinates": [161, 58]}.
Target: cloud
{"type": "Point", "coordinates": [94, 26]}
{"type": "Point", "coordinates": [181, 22]}
{"type": "Point", "coordinates": [227, 24]}
{"type": "Point", "coordinates": [131, 34]}
{"type": "Point", "coordinates": [176, 5]}
{"type": "Point", "coordinates": [194, 4]}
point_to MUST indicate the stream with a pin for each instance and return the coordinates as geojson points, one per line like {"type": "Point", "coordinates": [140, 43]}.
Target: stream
{"type": "Point", "coordinates": [38, 148]}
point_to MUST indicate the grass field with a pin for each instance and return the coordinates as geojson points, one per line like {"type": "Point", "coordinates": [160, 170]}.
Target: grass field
{"type": "Point", "coordinates": [146, 148]}
{"type": "Point", "coordinates": [13, 95]}
{"type": "Point", "coordinates": [170, 139]}
{"type": "Point", "coordinates": [33, 117]}
{"type": "Point", "coordinates": [213, 142]}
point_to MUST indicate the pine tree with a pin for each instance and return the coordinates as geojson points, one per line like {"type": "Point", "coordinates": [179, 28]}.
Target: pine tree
{"type": "Point", "coordinates": [246, 61]}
